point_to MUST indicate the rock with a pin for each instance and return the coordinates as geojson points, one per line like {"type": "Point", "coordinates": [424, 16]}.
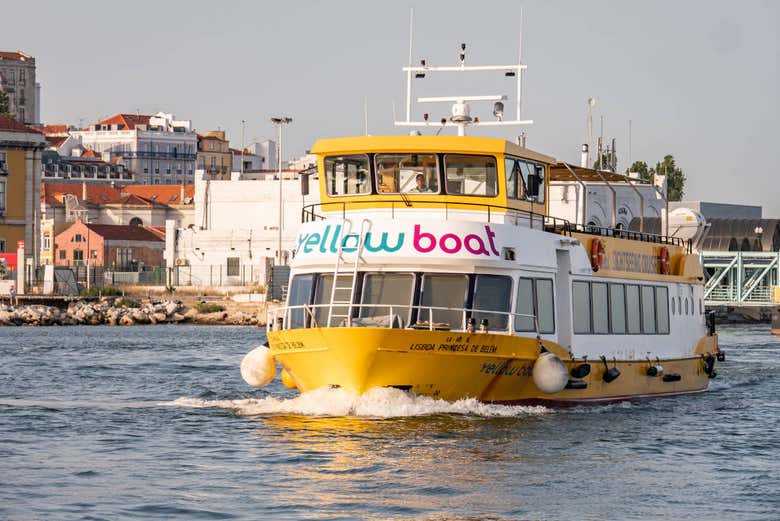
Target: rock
{"type": "Point", "coordinates": [126, 320]}
{"type": "Point", "coordinates": [171, 308]}
{"type": "Point", "coordinates": [159, 317]}
{"type": "Point", "coordinates": [178, 317]}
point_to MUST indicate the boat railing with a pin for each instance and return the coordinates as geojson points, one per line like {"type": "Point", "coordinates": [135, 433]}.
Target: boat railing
{"type": "Point", "coordinates": [546, 222]}
{"type": "Point", "coordinates": [622, 233]}
{"type": "Point", "coordinates": [391, 316]}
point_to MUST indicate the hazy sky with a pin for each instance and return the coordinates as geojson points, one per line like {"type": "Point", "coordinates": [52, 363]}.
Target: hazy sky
{"type": "Point", "coordinates": [699, 79]}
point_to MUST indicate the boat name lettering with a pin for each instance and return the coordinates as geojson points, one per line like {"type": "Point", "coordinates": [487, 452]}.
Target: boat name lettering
{"type": "Point", "coordinates": [630, 261]}
{"type": "Point", "coordinates": [328, 240]}
{"type": "Point", "coordinates": [504, 369]}
{"type": "Point", "coordinates": [287, 346]}
{"type": "Point", "coordinates": [422, 347]}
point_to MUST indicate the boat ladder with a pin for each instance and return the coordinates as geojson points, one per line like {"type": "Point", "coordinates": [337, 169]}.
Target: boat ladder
{"type": "Point", "coordinates": [342, 289]}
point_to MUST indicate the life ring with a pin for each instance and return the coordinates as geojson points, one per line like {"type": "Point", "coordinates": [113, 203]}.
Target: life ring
{"type": "Point", "coordinates": [663, 260]}
{"type": "Point", "coordinates": [596, 254]}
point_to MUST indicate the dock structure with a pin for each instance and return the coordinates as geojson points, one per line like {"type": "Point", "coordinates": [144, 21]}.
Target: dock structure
{"type": "Point", "coordinates": [741, 278]}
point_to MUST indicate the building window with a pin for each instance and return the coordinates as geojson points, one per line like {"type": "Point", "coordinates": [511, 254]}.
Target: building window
{"type": "Point", "coordinates": [78, 238]}
{"type": "Point", "coordinates": [46, 243]}
{"type": "Point", "coordinates": [136, 221]}
{"type": "Point", "coordinates": [63, 254]}
{"type": "Point", "coordinates": [124, 257]}
{"type": "Point", "coordinates": [78, 256]}
{"type": "Point", "coordinates": [233, 266]}
{"type": "Point", "coordinates": [2, 245]}
{"type": "Point", "coordinates": [2, 196]}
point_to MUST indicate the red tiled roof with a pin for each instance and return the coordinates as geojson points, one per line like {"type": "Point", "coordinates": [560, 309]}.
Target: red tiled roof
{"type": "Point", "coordinates": [89, 153]}
{"type": "Point", "coordinates": [163, 194]}
{"type": "Point", "coordinates": [56, 141]}
{"type": "Point", "coordinates": [124, 232]}
{"type": "Point", "coordinates": [11, 125]}
{"type": "Point", "coordinates": [142, 195]}
{"type": "Point", "coordinates": [126, 121]}
{"type": "Point", "coordinates": [48, 130]}
{"type": "Point", "coordinates": [14, 55]}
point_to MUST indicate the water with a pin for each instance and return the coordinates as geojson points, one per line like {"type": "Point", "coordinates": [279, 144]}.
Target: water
{"type": "Point", "coordinates": [155, 423]}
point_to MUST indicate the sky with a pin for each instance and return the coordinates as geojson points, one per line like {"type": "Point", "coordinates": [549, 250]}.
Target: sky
{"type": "Point", "coordinates": [697, 79]}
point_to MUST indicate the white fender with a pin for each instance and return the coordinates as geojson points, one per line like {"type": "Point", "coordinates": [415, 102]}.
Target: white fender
{"type": "Point", "coordinates": [258, 367]}
{"type": "Point", "coordinates": [550, 374]}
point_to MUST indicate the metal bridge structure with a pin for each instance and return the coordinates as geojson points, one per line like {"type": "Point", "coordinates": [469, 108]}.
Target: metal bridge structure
{"type": "Point", "coordinates": [740, 278]}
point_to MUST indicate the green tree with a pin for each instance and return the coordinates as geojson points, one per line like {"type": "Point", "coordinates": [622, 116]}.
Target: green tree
{"type": "Point", "coordinates": [5, 105]}
{"type": "Point", "coordinates": [675, 178]}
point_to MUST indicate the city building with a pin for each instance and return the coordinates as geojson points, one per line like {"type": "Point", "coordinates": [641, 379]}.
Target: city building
{"type": "Point", "coordinates": [214, 154]}
{"type": "Point", "coordinates": [20, 171]}
{"type": "Point", "coordinates": [117, 246]}
{"type": "Point", "coordinates": [256, 157]}
{"type": "Point", "coordinates": [235, 237]}
{"type": "Point", "coordinates": [86, 166]}
{"type": "Point", "coordinates": [159, 149]}
{"type": "Point", "coordinates": [17, 80]}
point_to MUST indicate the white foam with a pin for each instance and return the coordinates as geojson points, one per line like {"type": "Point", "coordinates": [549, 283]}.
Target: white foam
{"type": "Point", "coordinates": [377, 403]}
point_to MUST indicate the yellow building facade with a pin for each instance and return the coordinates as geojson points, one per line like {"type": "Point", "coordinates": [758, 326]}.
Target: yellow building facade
{"type": "Point", "coordinates": [214, 155]}
{"type": "Point", "coordinates": [20, 180]}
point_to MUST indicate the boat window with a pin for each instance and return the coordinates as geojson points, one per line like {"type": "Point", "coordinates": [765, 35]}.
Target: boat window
{"type": "Point", "coordinates": [533, 175]}
{"type": "Point", "coordinates": [632, 309]}
{"type": "Point", "coordinates": [492, 293]}
{"type": "Point", "coordinates": [545, 305]}
{"type": "Point", "coordinates": [407, 173]}
{"type": "Point", "coordinates": [581, 300]}
{"type": "Point", "coordinates": [515, 184]}
{"type": "Point", "coordinates": [673, 312]}
{"type": "Point", "coordinates": [299, 295]}
{"type": "Point", "coordinates": [471, 175]}
{"type": "Point", "coordinates": [322, 295]}
{"type": "Point", "coordinates": [617, 308]}
{"type": "Point", "coordinates": [679, 306]}
{"type": "Point", "coordinates": [347, 175]}
{"type": "Point", "coordinates": [444, 291]}
{"type": "Point", "coordinates": [525, 305]}
{"type": "Point", "coordinates": [386, 292]}
{"type": "Point", "coordinates": [662, 309]}
{"type": "Point", "coordinates": [648, 310]}
{"type": "Point", "coordinates": [600, 308]}
{"type": "Point", "coordinates": [686, 305]}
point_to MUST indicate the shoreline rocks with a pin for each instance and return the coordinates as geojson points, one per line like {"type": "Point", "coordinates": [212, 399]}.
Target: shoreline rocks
{"type": "Point", "coordinates": [120, 311]}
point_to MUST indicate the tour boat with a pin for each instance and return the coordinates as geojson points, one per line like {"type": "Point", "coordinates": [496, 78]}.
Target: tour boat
{"type": "Point", "coordinates": [432, 264]}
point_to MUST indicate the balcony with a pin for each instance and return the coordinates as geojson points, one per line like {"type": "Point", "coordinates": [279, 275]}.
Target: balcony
{"type": "Point", "coordinates": [143, 154]}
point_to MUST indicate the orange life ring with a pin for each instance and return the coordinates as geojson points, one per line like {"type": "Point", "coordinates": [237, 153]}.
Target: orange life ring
{"type": "Point", "coordinates": [596, 254]}
{"type": "Point", "coordinates": [663, 260]}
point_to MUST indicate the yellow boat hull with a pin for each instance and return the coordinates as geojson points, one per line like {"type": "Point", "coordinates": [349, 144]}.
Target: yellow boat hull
{"type": "Point", "coordinates": [453, 366]}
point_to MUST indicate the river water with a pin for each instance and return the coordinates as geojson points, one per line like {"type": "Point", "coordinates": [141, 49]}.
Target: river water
{"type": "Point", "coordinates": [156, 423]}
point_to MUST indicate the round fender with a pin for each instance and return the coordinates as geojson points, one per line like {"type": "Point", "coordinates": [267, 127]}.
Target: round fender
{"type": "Point", "coordinates": [550, 374]}
{"type": "Point", "coordinates": [258, 367]}
{"type": "Point", "coordinates": [287, 380]}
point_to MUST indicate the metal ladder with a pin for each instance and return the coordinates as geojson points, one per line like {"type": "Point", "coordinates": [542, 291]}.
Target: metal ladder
{"type": "Point", "coordinates": [344, 282]}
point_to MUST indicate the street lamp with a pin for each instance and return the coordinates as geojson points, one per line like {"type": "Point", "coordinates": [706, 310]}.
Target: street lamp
{"type": "Point", "coordinates": [280, 121]}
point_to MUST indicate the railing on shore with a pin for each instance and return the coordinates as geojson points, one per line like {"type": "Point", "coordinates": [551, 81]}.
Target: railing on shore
{"type": "Point", "coordinates": [306, 316]}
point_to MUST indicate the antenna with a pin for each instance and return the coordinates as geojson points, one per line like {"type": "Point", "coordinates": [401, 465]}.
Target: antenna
{"type": "Point", "coordinates": [461, 112]}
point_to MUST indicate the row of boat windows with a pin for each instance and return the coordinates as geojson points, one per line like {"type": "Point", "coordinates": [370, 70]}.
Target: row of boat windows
{"type": "Point", "coordinates": [419, 299]}
{"type": "Point", "coordinates": [460, 174]}
{"type": "Point", "coordinates": [602, 308]}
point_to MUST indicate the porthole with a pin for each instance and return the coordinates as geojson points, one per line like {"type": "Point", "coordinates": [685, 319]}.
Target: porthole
{"type": "Point", "coordinates": [686, 306]}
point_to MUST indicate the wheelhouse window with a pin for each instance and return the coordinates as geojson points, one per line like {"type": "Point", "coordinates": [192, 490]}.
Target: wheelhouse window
{"type": "Point", "coordinates": [347, 175]}
{"type": "Point", "coordinates": [384, 293]}
{"type": "Point", "coordinates": [525, 305]}
{"type": "Point", "coordinates": [443, 291]}
{"type": "Point", "coordinates": [406, 173]}
{"type": "Point", "coordinates": [492, 293]}
{"type": "Point", "coordinates": [524, 179]}
{"type": "Point", "coordinates": [471, 175]}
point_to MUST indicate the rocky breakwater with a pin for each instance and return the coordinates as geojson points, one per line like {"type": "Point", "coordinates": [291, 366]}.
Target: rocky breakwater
{"type": "Point", "coordinates": [119, 311]}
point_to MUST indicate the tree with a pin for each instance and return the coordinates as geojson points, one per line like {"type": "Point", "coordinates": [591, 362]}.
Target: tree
{"type": "Point", "coordinates": [5, 105]}
{"type": "Point", "coordinates": [675, 179]}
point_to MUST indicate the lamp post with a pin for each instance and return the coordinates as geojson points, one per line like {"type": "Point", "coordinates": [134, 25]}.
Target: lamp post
{"type": "Point", "coordinates": [280, 121]}
{"type": "Point", "coordinates": [243, 129]}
